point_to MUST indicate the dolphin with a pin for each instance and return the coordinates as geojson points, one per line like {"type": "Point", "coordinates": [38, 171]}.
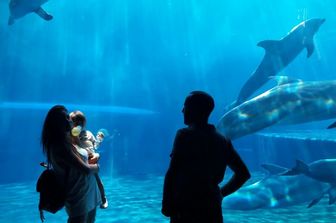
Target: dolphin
{"type": "Point", "coordinates": [274, 191]}
{"type": "Point", "coordinates": [323, 170]}
{"type": "Point", "coordinates": [278, 54]}
{"type": "Point", "coordinates": [287, 103]}
{"type": "Point", "coordinates": [20, 8]}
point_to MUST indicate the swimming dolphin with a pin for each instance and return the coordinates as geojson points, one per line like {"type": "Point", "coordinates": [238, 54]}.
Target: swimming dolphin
{"type": "Point", "coordinates": [323, 170]}
{"type": "Point", "coordinates": [292, 103]}
{"type": "Point", "coordinates": [278, 54]}
{"type": "Point", "coordinates": [20, 8]}
{"type": "Point", "coordinates": [274, 191]}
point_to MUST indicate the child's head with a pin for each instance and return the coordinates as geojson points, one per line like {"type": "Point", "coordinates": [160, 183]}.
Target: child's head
{"type": "Point", "coordinates": [78, 118]}
{"type": "Point", "coordinates": [78, 122]}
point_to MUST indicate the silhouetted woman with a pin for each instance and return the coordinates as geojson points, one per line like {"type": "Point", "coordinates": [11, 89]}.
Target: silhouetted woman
{"type": "Point", "coordinates": [71, 166]}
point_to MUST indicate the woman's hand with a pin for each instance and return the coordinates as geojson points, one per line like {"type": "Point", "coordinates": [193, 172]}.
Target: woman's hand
{"type": "Point", "coordinates": [93, 158]}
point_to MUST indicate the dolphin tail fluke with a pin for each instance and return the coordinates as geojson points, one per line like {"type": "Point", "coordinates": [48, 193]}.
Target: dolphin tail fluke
{"type": "Point", "coordinates": [300, 168]}
{"type": "Point", "coordinates": [43, 14]}
{"type": "Point", "coordinates": [274, 169]}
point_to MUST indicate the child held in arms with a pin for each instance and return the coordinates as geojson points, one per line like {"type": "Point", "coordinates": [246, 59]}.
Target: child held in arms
{"type": "Point", "coordinates": [85, 139]}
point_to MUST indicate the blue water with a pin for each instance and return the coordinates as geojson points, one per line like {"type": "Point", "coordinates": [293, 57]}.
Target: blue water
{"type": "Point", "coordinates": [137, 199]}
{"type": "Point", "coordinates": [128, 65]}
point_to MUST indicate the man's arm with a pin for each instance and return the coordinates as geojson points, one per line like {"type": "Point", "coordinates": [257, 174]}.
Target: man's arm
{"type": "Point", "coordinates": [240, 172]}
{"type": "Point", "coordinates": [167, 200]}
{"type": "Point", "coordinates": [166, 209]}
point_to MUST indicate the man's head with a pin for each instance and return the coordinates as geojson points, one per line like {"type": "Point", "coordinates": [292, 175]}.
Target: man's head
{"type": "Point", "coordinates": [197, 107]}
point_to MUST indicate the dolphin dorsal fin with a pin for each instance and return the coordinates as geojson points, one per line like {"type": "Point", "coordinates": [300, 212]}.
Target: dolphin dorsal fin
{"type": "Point", "coordinates": [269, 45]}
{"type": "Point", "coordinates": [284, 80]}
{"type": "Point", "coordinates": [332, 194]}
{"type": "Point", "coordinates": [300, 168]}
{"type": "Point", "coordinates": [274, 169]}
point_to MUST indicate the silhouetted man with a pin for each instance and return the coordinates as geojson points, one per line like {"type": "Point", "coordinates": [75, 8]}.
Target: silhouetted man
{"type": "Point", "coordinates": [199, 158]}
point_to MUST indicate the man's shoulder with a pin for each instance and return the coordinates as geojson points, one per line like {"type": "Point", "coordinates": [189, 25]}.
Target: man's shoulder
{"type": "Point", "coordinates": [209, 132]}
{"type": "Point", "coordinates": [219, 135]}
{"type": "Point", "coordinates": [185, 131]}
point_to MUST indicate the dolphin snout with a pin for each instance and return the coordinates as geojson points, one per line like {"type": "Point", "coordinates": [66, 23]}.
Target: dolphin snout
{"type": "Point", "coordinates": [315, 22]}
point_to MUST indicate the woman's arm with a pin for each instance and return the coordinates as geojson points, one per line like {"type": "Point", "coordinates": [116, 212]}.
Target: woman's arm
{"type": "Point", "coordinates": [79, 163]}
{"type": "Point", "coordinates": [93, 158]}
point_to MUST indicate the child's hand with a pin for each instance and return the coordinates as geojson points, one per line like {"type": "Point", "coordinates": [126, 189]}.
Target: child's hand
{"type": "Point", "coordinates": [100, 135]}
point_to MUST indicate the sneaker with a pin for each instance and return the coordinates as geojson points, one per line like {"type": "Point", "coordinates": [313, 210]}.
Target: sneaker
{"type": "Point", "coordinates": [104, 205]}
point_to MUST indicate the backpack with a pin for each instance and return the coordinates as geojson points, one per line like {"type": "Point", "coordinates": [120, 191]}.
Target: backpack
{"type": "Point", "coordinates": [52, 191]}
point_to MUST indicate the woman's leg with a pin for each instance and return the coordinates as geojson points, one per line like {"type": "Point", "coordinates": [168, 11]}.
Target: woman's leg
{"type": "Point", "coordinates": [87, 218]}
{"type": "Point", "coordinates": [91, 216]}
{"type": "Point", "coordinates": [78, 219]}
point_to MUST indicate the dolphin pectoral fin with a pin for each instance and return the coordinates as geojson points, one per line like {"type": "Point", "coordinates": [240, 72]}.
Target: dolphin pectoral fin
{"type": "Point", "coordinates": [310, 49]}
{"type": "Point", "coordinates": [315, 201]}
{"type": "Point", "coordinates": [281, 80]}
{"type": "Point", "coordinates": [10, 20]}
{"type": "Point", "coordinates": [231, 106]}
{"type": "Point", "coordinates": [43, 14]}
{"type": "Point", "coordinates": [333, 125]}
{"type": "Point", "coordinates": [271, 46]}
{"type": "Point", "coordinates": [332, 195]}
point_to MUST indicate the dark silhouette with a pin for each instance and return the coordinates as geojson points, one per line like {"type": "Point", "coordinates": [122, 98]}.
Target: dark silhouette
{"type": "Point", "coordinates": [71, 167]}
{"type": "Point", "coordinates": [199, 158]}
